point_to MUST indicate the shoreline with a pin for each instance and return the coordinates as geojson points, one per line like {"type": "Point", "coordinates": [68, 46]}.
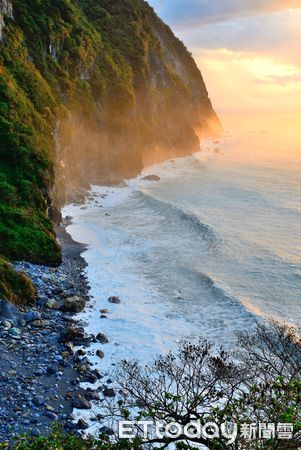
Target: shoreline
{"type": "Point", "coordinates": [41, 373]}
{"type": "Point", "coordinates": [45, 366]}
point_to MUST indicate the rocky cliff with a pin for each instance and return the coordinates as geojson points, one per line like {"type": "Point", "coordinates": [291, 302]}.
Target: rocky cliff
{"type": "Point", "coordinates": [90, 90]}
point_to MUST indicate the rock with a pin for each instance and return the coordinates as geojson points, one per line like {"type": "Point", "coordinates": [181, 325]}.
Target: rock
{"type": "Point", "coordinates": [74, 304]}
{"type": "Point", "coordinates": [107, 431]}
{"type": "Point", "coordinates": [39, 401]}
{"type": "Point", "coordinates": [52, 304]}
{"type": "Point", "coordinates": [42, 301]}
{"type": "Point", "coordinates": [82, 368]}
{"type": "Point", "coordinates": [49, 408]}
{"type": "Point", "coordinates": [91, 395]}
{"type": "Point", "coordinates": [35, 432]}
{"type": "Point", "coordinates": [30, 316]}
{"type": "Point", "coordinates": [81, 352]}
{"type": "Point", "coordinates": [40, 323]}
{"type": "Point", "coordinates": [69, 346]}
{"type": "Point", "coordinates": [9, 312]}
{"type": "Point", "coordinates": [80, 402]}
{"type": "Point", "coordinates": [82, 425]}
{"type": "Point", "coordinates": [68, 285]}
{"type": "Point", "coordinates": [109, 392]}
{"type": "Point", "coordinates": [116, 300]}
{"type": "Point", "coordinates": [6, 324]}
{"type": "Point", "coordinates": [57, 291]}
{"type": "Point", "coordinates": [68, 335]}
{"type": "Point", "coordinates": [102, 338]}
{"type": "Point", "coordinates": [100, 354]}
{"type": "Point", "coordinates": [152, 178]}
{"type": "Point", "coordinates": [49, 278]}
{"type": "Point", "coordinates": [15, 332]}
{"type": "Point", "coordinates": [51, 370]}
{"type": "Point", "coordinates": [89, 377]}
{"type": "Point", "coordinates": [51, 416]}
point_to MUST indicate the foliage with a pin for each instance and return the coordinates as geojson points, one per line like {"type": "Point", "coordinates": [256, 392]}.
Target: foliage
{"type": "Point", "coordinates": [15, 287]}
{"type": "Point", "coordinates": [58, 440]}
{"type": "Point", "coordinates": [208, 384]}
{"type": "Point", "coordinates": [92, 84]}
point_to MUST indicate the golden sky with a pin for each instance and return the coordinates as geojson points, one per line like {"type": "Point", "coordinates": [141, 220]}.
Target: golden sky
{"type": "Point", "coordinates": [249, 51]}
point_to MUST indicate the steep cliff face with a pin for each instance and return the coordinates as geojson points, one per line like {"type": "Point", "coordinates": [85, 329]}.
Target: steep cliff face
{"type": "Point", "coordinates": [166, 107]}
{"type": "Point", "coordinates": [90, 90]}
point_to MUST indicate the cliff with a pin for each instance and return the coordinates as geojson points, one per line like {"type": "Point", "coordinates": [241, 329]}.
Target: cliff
{"type": "Point", "coordinates": [90, 91]}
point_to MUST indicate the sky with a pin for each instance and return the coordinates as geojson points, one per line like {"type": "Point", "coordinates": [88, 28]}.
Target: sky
{"type": "Point", "coordinates": [249, 51]}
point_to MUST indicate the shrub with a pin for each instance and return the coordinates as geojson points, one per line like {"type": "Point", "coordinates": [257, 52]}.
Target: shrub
{"type": "Point", "coordinates": [15, 287]}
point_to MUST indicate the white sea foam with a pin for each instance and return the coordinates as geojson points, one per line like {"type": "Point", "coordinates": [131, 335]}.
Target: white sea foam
{"type": "Point", "coordinates": [203, 252]}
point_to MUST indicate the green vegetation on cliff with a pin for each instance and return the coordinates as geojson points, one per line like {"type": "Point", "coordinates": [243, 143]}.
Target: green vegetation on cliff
{"type": "Point", "coordinates": [15, 287]}
{"type": "Point", "coordinates": [88, 89]}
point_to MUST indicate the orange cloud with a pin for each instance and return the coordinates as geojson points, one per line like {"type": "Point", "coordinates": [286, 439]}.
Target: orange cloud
{"type": "Point", "coordinates": [241, 81]}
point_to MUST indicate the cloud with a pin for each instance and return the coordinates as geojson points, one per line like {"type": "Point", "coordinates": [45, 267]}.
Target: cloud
{"type": "Point", "coordinates": [275, 35]}
{"type": "Point", "coordinates": [287, 81]}
{"type": "Point", "coordinates": [187, 13]}
{"type": "Point", "coordinates": [245, 81]}
{"type": "Point", "coordinates": [247, 50]}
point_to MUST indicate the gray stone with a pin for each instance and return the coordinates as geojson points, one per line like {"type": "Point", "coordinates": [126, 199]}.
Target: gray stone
{"type": "Point", "coordinates": [30, 316]}
{"type": "Point", "coordinates": [80, 402]}
{"type": "Point", "coordinates": [109, 392]}
{"type": "Point", "coordinates": [14, 332]}
{"type": "Point", "coordinates": [51, 370]}
{"type": "Point", "coordinates": [107, 431]}
{"type": "Point", "coordinates": [82, 425]}
{"type": "Point", "coordinates": [91, 395]}
{"type": "Point", "coordinates": [102, 338]}
{"type": "Point", "coordinates": [51, 416]}
{"type": "Point", "coordinates": [74, 304]}
{"type": "Point", "coordinates": [100, 354]}
{"type": "Point", "coordinates": [39, 401]}
{"type": "Point", "coordinates": [9, 312]}
{"type": "Point", "coordinates": [116, 300]}
{"type": "Point", "coordinates": [52, 304]}
{"type": "Point", "coordinates": [152, 178]}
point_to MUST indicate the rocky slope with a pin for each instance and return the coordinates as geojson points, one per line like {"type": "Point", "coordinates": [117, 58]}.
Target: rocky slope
{"type": "Point", "coordinates": [90, 91]}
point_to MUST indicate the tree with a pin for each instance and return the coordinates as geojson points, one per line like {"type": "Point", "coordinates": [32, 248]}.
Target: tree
{"type": "Point", "coordinates": [257, 384]}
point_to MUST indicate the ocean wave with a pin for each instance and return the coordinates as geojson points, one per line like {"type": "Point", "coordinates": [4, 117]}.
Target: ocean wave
{"type": "Point", "coordinates": [223, 292]}
{"type": "Point", "coordinates": [207, 232]}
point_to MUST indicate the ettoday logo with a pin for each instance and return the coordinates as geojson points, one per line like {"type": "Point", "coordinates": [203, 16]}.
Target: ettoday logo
{"type": "Point", "coordinates": [195, 430]}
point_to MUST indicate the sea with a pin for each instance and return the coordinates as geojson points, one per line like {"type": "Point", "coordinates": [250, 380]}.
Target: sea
{"type": "Point", "coordinates": [206, 252]}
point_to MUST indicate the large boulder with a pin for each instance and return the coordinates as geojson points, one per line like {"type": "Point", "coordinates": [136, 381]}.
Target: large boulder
{"type": "Point", "coordinates": [9, 311]}
{"type": "Point", "coordinates": [74, 304]}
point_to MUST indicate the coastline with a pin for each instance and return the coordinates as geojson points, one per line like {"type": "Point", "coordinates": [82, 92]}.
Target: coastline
{"type": "Point", "coordinates": [41, 371]}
